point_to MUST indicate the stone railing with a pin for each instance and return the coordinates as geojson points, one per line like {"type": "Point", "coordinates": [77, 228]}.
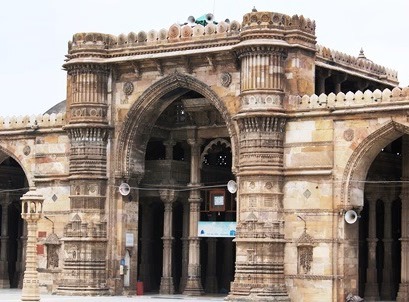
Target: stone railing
{"type": "Point", "coordinates": [357, 62]}
{"type": "Point", "coordinates": [350, 99]}
{"type": "Point", "coordinates": [32, 122]}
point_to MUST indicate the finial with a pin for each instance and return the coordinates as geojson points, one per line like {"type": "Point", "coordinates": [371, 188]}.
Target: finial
{"type": "Point", "coordinates": [254, 9]}
{"type": "Point", "coordinates": [361, 54]}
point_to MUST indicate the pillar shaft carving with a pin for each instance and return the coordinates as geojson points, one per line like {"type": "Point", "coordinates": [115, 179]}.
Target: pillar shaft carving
{"type": "Point", "coordinates": [371, 285]}
{"type": "Point", "coordinates": [262, 68]}
{"type": "Point", "coordinates": [193, 284]}
{"type": "Point", "coordinates": [261, 143]}
{"type": "Point", "coordinates": [185, 247]}
{"type": "Point", "coordinates": [166, 284]}
{"type": "Point", "coordinates": [87, 93]}
{"type": "Point", "coordinates": [387, 286]}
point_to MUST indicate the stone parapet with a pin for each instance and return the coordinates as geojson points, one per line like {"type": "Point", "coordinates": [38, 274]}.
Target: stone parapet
{"type": "Point", "coordinates": [33, 122]}
{"type": "Point", "coordinates": [350, 99]}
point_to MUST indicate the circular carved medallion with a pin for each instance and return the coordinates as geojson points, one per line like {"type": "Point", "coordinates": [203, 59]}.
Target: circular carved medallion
{"type": "Point", "coordinates": [128, 88]}
{"type": "Point", "coordinates": [225, 79]}
{"type": "Point", "coordinates": [26, 150]}
{"type": "Point", "coordinates": [349, 135]}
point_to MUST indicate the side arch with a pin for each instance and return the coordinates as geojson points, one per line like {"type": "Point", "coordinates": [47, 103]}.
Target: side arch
{"type": "Point", "coordinates": [356, 169]}
{"type": "Point", "coordinates": [139, 121]}
{"type": "Point", "coordinates": [4, 153]}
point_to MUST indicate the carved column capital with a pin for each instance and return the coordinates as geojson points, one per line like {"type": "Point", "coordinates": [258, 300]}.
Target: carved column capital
{"type": "Point", "coordinates": [168, 196]}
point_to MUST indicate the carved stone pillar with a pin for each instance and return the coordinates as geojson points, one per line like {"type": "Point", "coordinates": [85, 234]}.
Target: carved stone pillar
{"type": "Point", "coordinates": [338, 80]}
{"type": "Point", "coordinates": [146, 246]}
{"type": "Point", "coordinates": [371, 285]}
{"type": "Point", "coordinates": [211, 278]}
{"type": "Point", "coordinates": [185, 247]}
{"type": "Point", "coordinates": [194, 284]}
{"type": "Point", "coordinates": [259, 274]}
{"type": "Point", "coordinates": [321, 76]}
{"type": "Point", "coordinates": [166, 283]}
{"type": "Point", "coordinates": [31, 211]}
{"type": "Point", "coordinates": [387, 285]}
{"type": "Point", "coordinates": [4, 275]}
{"type": "Point", "coordinates": [403, 293]}
{"type": "Point", "coordinates": [169, 144]}
{"type": "Point", "coordinates": [88, 130]}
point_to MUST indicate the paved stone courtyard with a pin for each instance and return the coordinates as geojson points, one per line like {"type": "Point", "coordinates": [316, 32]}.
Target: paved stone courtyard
{"type": "Point", "coordinates": [14, 295]}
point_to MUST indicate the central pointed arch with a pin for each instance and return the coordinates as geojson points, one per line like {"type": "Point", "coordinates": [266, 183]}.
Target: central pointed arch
{"type": "Point", "coordinates": [140, 119]}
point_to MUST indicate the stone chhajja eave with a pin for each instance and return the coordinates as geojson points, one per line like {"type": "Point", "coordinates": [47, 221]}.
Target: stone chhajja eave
{"type": "Point", "coordinates": [161, 54]}
{"type": "Point", "coordinates": [353, 71]}
{"type": "Point", "coordinates": [331, 57]}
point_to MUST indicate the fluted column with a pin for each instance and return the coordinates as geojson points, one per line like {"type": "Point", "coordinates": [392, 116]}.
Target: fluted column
{"type": "Point", "coordinates": [194, 284]}
{"type": "Point", "coordinates": [166, 285]}
{"type": "Point", "coordinates": [4, 275]}
{"type": "Point", "coordinates": [32, 204]}
{"type": "Point", "coordinates": [371, 285]}
{"type": "Point", "coordinates": [403, 294]}
{"type": "Point", "coordinates": [185, 247]}
{"type": "Point", "coordinates": [146, 246]}
{"type": "Point", "coordinates": [386, 286]}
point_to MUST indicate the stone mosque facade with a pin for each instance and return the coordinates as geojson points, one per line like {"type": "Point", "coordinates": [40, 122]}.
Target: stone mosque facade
{"type": "Point", "coordinates": [156, 123]}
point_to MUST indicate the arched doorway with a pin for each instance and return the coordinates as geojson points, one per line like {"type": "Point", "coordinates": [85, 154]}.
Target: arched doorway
{"type": "Point", "coordinates": [161, 144]}
{"type": "Point", "coordinates": [164, 221]}
{"type": "Point", "coordinates": [13, 184]}
{"type": "Point", "coordinates": [380, 226]}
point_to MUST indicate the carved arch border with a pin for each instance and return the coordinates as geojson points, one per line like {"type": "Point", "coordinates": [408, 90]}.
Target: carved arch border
{"type": "Point", "coordinates": [9, 153]}
{"type": "Point", "coordinates": [361, 159]}
{"type": "Point", "coordinates": [133, 128]}
{"type": "Point", "coordinates": [214, 142]}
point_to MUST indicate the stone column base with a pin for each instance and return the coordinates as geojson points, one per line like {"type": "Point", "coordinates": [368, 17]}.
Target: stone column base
{"type": "Point", "coordinates": [193, 287]}
{"type": "Point", "coordinates": [403, 294]}
{"type": "Point", "coordinates": [31, 291]}
{"type": "Point", "coordinates": [371, 292]}
{"type": "Point", "coordinates": [166, 286]}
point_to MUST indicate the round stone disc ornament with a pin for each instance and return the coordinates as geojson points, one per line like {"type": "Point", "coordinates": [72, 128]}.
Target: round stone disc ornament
{"type": "Point", "coordinates": [128, 88]}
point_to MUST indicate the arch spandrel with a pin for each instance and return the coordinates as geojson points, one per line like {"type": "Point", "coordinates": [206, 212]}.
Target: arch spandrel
{"type": "Point", "coordinates": [356, 169]}
{"type": "Point", "coordinates": [141, 118]}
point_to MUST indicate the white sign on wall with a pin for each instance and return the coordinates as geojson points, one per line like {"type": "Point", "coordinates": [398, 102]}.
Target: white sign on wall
{"type": "Point", "coordinates": [216, 229]}
{"type": "Point", "coordinates": [129, 242]}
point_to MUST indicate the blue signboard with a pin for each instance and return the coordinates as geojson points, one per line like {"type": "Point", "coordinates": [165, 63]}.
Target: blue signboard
{"type": "Point", "coordinates": [217, 229]}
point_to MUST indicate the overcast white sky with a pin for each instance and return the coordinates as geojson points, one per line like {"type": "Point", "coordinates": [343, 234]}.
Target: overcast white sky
{"type": "Point", "coordinates": [34, 35]}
